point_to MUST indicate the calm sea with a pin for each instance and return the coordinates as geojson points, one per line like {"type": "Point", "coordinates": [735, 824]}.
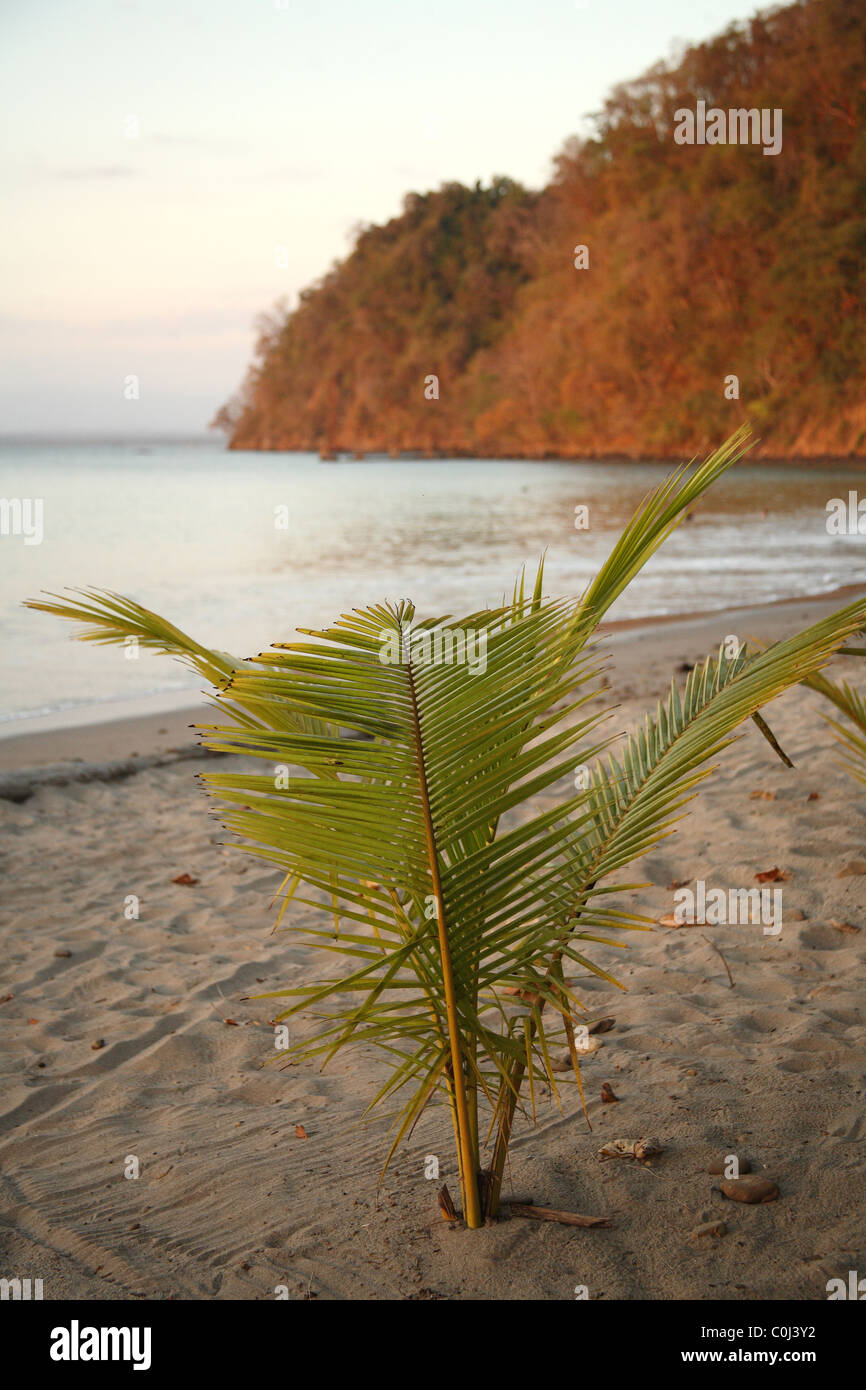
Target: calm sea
{"type": "Point", "coordinates": [189, 530]}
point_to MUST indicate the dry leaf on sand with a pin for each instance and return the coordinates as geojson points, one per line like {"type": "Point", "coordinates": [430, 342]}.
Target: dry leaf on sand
{"type": "Point", "coordinates": [641, 1149]}
{"type": "Point", "coordinates": [772, 876]}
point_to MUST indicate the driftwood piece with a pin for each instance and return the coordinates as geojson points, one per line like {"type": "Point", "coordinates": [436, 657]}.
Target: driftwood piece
{"type": "Point", "coordinates": [566, 1218]}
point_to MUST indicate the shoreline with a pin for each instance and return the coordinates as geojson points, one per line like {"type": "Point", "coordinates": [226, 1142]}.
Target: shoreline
{"type": "Point", "coordinates": [342, 454]}
{"type": "Point", "coordinates": [101, 745]}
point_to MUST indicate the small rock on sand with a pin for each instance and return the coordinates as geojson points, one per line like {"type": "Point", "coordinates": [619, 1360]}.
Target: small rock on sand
{"type": "Point", "coordinates": [752, 1189]}
{"type": "Point", "coordinates": [710, 1228]}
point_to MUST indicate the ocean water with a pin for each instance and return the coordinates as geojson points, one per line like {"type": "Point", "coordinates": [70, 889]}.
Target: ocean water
{"type": "Point", "coordinates": [190, 530]}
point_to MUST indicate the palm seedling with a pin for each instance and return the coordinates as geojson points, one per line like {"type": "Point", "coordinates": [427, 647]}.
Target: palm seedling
{"type": "Point", "coordinates": [463, 884]}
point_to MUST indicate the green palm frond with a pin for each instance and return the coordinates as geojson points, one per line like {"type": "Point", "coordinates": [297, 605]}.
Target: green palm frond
{"type": "Point", "coordinates": [109, 619]}
{"type": "Point", "coordinates": [454, 750]}
{"type": "Point", "coordinates": [469, 907]}
{"type": "Point", "coordinates": [636, 797]}
{"type": "Point", "coordinates": [663, 761]}
{"type": "Point", "coordinates": [657, 516]}
{"type": "Point", "coordinates": [850, 703]}
{"type": "Point", "coordinates": [459, 861]}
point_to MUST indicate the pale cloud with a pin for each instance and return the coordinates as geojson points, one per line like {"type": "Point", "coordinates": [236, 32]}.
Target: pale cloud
{"type": "Point", "coordinates": [176, 169]}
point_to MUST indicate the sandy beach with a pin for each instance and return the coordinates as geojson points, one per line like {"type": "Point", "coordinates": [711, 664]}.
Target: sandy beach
{"type": "Point", "coordinates": [231, 1202]}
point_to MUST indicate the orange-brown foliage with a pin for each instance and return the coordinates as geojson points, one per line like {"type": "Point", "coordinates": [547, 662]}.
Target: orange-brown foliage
{"type": "Point", "coordinates": [705, 261]}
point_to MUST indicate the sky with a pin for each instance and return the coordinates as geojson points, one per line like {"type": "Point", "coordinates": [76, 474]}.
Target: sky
{"type": "Point", "coordinates": [173, 168]}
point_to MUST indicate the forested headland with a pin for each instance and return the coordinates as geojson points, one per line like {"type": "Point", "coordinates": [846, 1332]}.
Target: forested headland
{"type": "Point", "coordinates": [651, 298]}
